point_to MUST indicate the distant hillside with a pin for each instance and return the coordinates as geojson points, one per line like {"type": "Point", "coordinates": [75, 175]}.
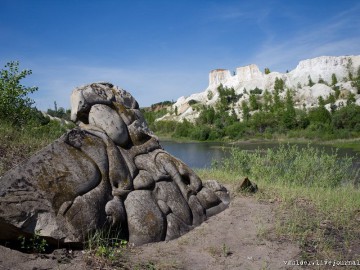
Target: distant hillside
{"type": "Point", "coordinates": [334, 79]}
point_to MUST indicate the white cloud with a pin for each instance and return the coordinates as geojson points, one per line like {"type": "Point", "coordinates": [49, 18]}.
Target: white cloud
{"type": "Point", "coordinates": [337, 36]}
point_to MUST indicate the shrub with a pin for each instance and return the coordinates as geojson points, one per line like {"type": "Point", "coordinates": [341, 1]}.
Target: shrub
{"type": "Point", "coordinates": [15, 105]}
{"type": "Point", "coordinates": [192, 102]}
{"type": "Point", "coordinates": [256, 91]}
{"type": "Point", "coordinates": [291, 165]}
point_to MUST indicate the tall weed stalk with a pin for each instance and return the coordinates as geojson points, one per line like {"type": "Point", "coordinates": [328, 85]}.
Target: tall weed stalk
{"type": "Point", "coordinates": [292, 165]}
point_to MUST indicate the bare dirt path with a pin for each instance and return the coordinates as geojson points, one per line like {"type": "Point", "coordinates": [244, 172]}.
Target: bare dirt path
{"type": "Point", "coordinates": [233, 239]}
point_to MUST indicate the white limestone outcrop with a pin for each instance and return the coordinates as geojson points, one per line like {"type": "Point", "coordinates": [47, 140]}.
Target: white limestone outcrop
{"type": "Point", "coordinates": [249, 77]}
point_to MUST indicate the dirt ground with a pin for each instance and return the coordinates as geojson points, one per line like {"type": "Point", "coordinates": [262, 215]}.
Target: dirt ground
{"type": "Point", "coordinates": [237, 238]}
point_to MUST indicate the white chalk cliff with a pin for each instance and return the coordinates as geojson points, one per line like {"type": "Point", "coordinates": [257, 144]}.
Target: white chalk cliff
{"type": "Point", "coordinates": [249, 77]}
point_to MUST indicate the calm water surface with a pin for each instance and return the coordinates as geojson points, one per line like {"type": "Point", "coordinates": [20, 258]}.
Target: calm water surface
{"type": "Point", "coordinates": [201, 155]}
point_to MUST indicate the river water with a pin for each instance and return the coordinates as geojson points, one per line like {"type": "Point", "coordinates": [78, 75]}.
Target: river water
{"type": "Point", "coordinates": [201, 155]}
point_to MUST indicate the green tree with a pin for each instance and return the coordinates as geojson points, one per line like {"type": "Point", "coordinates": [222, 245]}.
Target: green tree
{"type": "Point", "coordinates": [321, 101]}
{"type": "Point", "coordinates": [279, 84]}
{"type": "Point", "coordinates": [207, 115]}
{"type": "Point", "coordinates": [267, 100]}
{"type": "Point", "coordinates": [349, 67]}
{"type": "Point", "coordinates": [319, 115]}
{"type": "Point", "coordinates": [260, 121]}
{"type": "Point", "coordinates": [333, 79]}
{"type": "Point", "coordinates": [254, 105]}
{"type": "Point", "coordinates": [311, 83]}
{"type": "Point", "coordinates": [289, 114]}
{"type": "Point", "coordinates": [245, 111]}
{"type": "Point", "coordinates": [347, 117]}
{"type": "Point", "coordinates": [277, 102]}
{"type": "Point", "coordinates": [321, 80]}
{"type": "Point", "coordinates": [183, 129]}
{"type": "Point", "coordinates": [331, 99]}
{"type": "Point", "coordinates": [351, 99]}
{"type": "Point", "coordinates": [356, 82]}
{"type": "Point", "coordinates": [15, 105]}
{"type": "Point", "coordinates": [267, 71]}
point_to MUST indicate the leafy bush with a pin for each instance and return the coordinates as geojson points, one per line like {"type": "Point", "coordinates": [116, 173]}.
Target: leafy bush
{"type": "Point", "coordinates": [183, 129]}
{"type": "Point", "coordinates": [15, 105]}
{"type": "Point", "coordinates": [192, 102]}
{"type": "Point", "coordinates": [200, 133]}
{"type": "Point", "coordinates": [256, 91]}
{"type": "Point", "coordinates": [279, 84]}
{"type": "Point", "coordinates": [347, 118]}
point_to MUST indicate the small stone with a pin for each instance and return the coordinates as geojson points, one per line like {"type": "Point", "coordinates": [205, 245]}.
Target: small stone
{"type": "Point", "coordinates": [247, 186]}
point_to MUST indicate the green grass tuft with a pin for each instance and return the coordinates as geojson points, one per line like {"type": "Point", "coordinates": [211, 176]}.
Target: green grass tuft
{"type": "Point", "coordinates": [315, 194]}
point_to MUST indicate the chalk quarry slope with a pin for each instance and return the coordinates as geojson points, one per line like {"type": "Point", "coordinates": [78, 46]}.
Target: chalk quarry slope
{"type": "Point", "coordinates": [249, 77]}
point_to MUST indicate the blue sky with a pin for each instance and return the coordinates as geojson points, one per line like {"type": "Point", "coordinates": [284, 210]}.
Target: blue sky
{"type": "Point", "coordinates": [161, 50]}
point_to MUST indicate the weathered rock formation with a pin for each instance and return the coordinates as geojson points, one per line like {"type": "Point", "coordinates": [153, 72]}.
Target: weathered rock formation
{"type": "Point", "coordinates": [250, 77]}
{"type": "Point", "coordinates": [110, 171]}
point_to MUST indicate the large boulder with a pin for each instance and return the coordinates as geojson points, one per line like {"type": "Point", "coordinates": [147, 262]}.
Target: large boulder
{"type": "Point", "coordinates": [108, 172]}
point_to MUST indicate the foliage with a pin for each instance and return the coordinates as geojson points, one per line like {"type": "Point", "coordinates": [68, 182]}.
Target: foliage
{"type": "Point", "coordinates": [321, 80]}
{"type": "Point", "coordinates": [19, 144]}
{"type": "Point", "coordinates": [333, 79]}
{"type": "Point", "coordinates": [315, 192]}
{"type": "Point", "coordinates": [267, 70]}
{"type": "Point", "coordinates": [162, 104]}
{"type": "Point", "coordinates": [310, 83]}
{"type": "Point", "coordinates": [105, 244]}
{"type": "Point", "coordinates": [151, 115]}
{"type": "Point", "coordinates": [183, 129]}
{"type": "Point", "coordinates": [207, 115]}
{"type": "Point", "coordinates": [347, 117]}
{"type": "Point", "coordinates": [351, 99]}
{"type": "Point", "coordinates": [254, 105]}
{"type": "Point", "coordinates": [291, 165]}
{"type": "Point", "coordinates": [272, 114]}
{"type": "Point", "coordinates": [356, 82]}
{"type": "Point", "coordinates": [337, 91]}
{"type": "Point", "coordinates": [289, 114]}
{"type": "Point", "coordinates": [279, 85]}
{"type": "Point", "coordinates": [256, 91]}
{"type": "Point", "coordinates": [59, 112]}
{"type": "Point", "coordinates": [34, 244]}
{"type": "Point", "coordinates": [245, 111]}
{"type": "Point", "coordinates": [227, 96]}
{"type": "Point", "coordinates": [320, 114]}
{"type": "Point", "coordinates": [15, 105]}
{"type": "Point", "coordinates": [192, 102]}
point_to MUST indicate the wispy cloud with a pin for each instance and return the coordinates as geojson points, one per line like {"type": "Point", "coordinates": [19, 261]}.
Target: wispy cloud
{"type": "Point", "coordinates": [337, 36]}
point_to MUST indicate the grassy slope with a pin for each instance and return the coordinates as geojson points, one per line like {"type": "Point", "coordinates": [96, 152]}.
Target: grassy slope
{"type": "Point", "coordinates": [19, 143]}
{"type": "Point", "coordinates": [324, 218]}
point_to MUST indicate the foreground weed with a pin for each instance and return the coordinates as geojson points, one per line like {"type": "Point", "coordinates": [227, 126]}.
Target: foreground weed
{"type": "Point", "coordinates": [291, 165]}
{"type": "Point", "coordinates": [34, 244]}
{"type": "Point", "coordinates": [226, 250]}
{"type": "Point", "coordinates": [106, 245]}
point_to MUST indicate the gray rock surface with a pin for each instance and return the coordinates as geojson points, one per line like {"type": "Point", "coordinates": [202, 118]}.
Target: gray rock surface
{"type": "Point", "coordinates": [108, 172]}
